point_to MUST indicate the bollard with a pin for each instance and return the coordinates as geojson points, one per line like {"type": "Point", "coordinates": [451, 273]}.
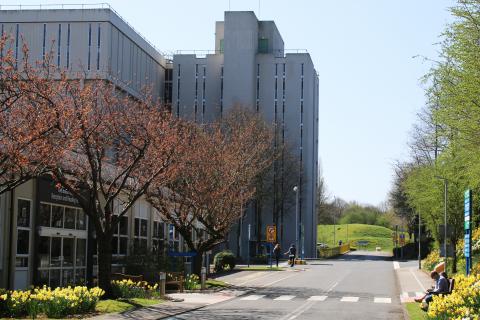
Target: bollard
{"type": "Point", "coordinates": [163, 278]}
{"type": "Point", "coordinates": [203, 278]}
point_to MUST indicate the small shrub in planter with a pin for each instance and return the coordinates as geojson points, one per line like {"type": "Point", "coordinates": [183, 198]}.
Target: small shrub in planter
{"type": "Point", "coordinates": [127, 289]}
{"type": "Point", "coordinates": [224, 260]}
{"type": "Point", "coordinates": [191, 281]}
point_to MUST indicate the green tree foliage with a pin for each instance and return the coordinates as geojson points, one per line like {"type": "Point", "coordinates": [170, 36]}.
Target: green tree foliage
{"type": "Point", "coordinates": [453, 128]}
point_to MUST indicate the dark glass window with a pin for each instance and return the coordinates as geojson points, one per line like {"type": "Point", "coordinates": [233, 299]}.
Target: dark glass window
{"type": "Point", "coordinates": [137, 227]}
{"type": "Point", "coordinates": [23, 217]}
{"type": "Point", "coordinates": [115, 245]}
{"type": "Point", "coordinates": [23, 241]}
{"type": "Point", "coordinates": [44, 252]}
{"type": "Point", "coordinates": [68, 250]}
{"type": "Point", "coordinates": [44, 215]}
{"type": "Point", "coordinates": [123, 245]}
{"type": "Point", "coordinates": [221, 45]}
{"type": "Point", "coordinates": [56, 252]}
{"type": "Point", "coordinates": [70, 218]}
{"type": "Point", "coordinates": [57, 217]}
{"type": "Point", "coordinates": [81, 252]}
{"type": "Point", "coordinates": [81, 220]}
{"type": "Point", "coordinates": [123, 225]}
{"type": "Point", "coordinates": [262, 45]}
{"type": "Point", "coordinates": [143, 226]}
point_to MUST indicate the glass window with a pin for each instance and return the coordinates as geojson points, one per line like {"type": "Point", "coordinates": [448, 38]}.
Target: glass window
{"type": "Point", "coordinates": [137, 227]}
{"type": "Point", "coordinates": [23, 241]}
{"type": "Point", "coordinates": [81, 220]}
{"type": "Point", "coordinates": [221, 45]}
{"type": "Point", "coordinates": [56, 252]}
{"type": "Point", "coordinates": [80, 276]}
{"type": "Point", "coordinates": [43, 277]}
{"type": "Point", "coordinates": [143, 228]}
{"type": "Point", "coordinates": [67, 279]}
{"type": "Point", "coordinates": [44, 252]}
{"type": "Point", "coordinates": [21, 262]}
{"type": "Point", "coordinates": [44, 215]}
{"type": "Point", "coordinates": [68, 250]}
{"type": "Point", "coordinates": [123, 245]}
{"type": "Point", "coordinates": [70, 218]}
{"type": "Point", "coordinates": [55, 278]}
{"type": "Point", "coordinates": [123, 225]}
{"type": "Point", "coordinates": [57, 217]}
{"type": "Point", "coordinates": [262, 45]}
{"type": "Point", "coordinates": [23, 217]}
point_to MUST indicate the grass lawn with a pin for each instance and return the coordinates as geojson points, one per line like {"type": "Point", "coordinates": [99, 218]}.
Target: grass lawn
{"type": "Point", "coordinates": [376, 236]}
{"type": "Point", "coordinates": [414, 311]}
{"type": "Point", "coordinates": [109, 306]}
{"type": "Point", "coordinates": [261, 268]}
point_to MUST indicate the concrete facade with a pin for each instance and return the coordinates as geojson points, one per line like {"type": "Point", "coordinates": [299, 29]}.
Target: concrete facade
{"type": "Point", "coordinates": [249, 67]}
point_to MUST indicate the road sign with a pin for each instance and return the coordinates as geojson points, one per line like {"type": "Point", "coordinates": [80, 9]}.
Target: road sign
{"type": "Point", "coordinates": [271, 233]}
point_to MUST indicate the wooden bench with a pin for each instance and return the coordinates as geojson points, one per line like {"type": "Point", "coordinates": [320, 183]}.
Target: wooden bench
{"type": "Point", "coordinates": [175, 278]}
{"type": "Point", "coordinates": [121, 276]}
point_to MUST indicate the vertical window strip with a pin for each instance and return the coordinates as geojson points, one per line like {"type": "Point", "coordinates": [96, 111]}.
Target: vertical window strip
{"type": "Point", "coordinates": [16, 44]}
{"type": "Point", "coordinates": [178, 90]}
{"type": "Point", "coordinates": [68, 46]}
{"type": "Point", "coordinates": [203, 94]}
{"type": "Point", "coordinates": [196, 91]}
{"type": "Point", "coordinates": [221, 91]}
{"type": "Point", "coordinates": [59, 45]}
{"type": "Point", "coordinates": [258, 88]}
{"type": "Point", "coordinates": [89, 44]}
{"type": "Point", "coordinates": [44, 41]}
{"type": "Point", "coordinates": [1, 51]}
{"type": "Point", "coordinates": [98, 46]}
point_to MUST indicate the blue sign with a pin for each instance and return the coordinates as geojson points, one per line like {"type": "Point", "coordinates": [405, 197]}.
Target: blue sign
{"type": "Point", "coordinates": [468, 231]}
{"type": "Point", "coordinates": [181, 254]}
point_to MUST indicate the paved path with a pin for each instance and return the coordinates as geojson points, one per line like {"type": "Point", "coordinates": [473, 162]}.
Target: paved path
{"type": "Point", "coordinates": [413, 282]}
{"type": "Point", "coordinates": [359, 285]}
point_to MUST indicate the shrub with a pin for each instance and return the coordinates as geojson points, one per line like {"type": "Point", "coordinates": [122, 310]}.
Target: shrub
{"type": "Point", "coordinates": [129, 289]}
{"type": "Point", "coordinates": [56, 303]}
{"type": "Point", "coordinates": [431, 260]}
{"type": "Point", "coordinates": [223, 260]}
{"type": "Point", "coordinates": [191, 281]}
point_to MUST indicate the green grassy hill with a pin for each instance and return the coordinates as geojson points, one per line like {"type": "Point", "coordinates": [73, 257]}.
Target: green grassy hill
{"type": "Point", "coordinates": [376, 236]}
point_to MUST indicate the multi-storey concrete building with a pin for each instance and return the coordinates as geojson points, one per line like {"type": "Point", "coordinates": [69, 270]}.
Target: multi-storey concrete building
{"type": "Point", "coordinates": [250, 67]}
{"type": "Point", "coordinates": [46, 238]}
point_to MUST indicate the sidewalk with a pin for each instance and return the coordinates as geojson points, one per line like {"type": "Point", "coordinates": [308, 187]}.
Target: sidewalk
{"type": "Point", "coordinates": [413, 282]}
{"type": "Point", "coordinates": [191, 301]}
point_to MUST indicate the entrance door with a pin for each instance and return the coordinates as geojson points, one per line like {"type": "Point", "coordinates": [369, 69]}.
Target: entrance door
{"type": "Point", "coordinates": [61, 261]}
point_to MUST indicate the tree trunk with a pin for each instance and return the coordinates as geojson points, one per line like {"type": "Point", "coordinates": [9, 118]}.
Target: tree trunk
{"type": "Point", "coordinates": [239, 237]}
{"type": "Point", "coordinates": [454, 265]}
{"type": "Point", "coordinates": [104, 243]}
{"type": "Point", "coordinates": [197, 263]}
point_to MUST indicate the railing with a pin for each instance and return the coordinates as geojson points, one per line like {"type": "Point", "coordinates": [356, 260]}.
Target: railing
{"type": "Point", "coordinates": [75, 6]}
{"type": "Point", "coordinates": [332, 252]}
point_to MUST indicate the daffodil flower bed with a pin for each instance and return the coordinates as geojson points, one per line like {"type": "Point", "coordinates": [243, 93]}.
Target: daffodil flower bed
{"type": "Point", "coordinates": [191, 281]}
{"type": "Point", "coordinates": [56, 303]}
{"type": "Point", "coordinates": [130, 289]}
{"type": "Point", "coordinates": [462, 303]}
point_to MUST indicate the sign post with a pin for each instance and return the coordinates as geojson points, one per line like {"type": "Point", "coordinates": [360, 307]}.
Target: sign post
{"type": "Point", "coordinates": [271, 238]}
{"type": "Point", "coordinates": [468, 229]}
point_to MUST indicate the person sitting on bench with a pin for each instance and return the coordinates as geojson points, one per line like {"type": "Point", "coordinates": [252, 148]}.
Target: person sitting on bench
{"type": "Point", "coordinates": [442, 285]}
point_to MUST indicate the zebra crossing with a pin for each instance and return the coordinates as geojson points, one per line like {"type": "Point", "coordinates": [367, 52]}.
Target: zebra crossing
{"type": "Point", "coordinates": [346, 299]}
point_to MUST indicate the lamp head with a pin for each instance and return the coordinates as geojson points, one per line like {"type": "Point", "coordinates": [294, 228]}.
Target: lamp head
{"type": "Point", "coordinates": [295, 189]}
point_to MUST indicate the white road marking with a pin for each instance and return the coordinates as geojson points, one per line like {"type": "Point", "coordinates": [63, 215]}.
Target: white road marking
{"type": "Point", "coordinates": [404, 295]}
{"type": "Point", "coordinates": [284, 298]}
{"type": "Point", "coordinates": [349, 299]}
{"type": "Point", "coordinates": [317, 298]}
{"type": "Point", "coordinates": [382, 300]}
{"type": "Point", "coordinates": [332, 287]}
{"type": "Point", "coordinates": [253, 297]}
{"type": "Point", "coordinates": [421, 285]}
{"type": "Point", "coordinates": [396, 265]}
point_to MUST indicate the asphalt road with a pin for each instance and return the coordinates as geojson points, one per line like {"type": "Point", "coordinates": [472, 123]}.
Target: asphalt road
{"type": "Point", "coordinates": [358, 285]}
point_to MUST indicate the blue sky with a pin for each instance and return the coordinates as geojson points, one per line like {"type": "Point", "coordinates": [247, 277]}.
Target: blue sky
{"type": "Point", "coordinates": [363, 51]}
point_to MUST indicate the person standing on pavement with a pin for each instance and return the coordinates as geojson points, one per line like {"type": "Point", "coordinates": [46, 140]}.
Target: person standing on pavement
{"type": "Point", "coordinates": [277, 252]}
{"type": "Point", "coordinates": [292, 253]}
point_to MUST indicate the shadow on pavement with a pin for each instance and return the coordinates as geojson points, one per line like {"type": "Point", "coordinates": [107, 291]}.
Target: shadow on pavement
{"type": "Point", "coordinates": [238, 314]}
{"type": "Point", "coordinates": [365, 256]}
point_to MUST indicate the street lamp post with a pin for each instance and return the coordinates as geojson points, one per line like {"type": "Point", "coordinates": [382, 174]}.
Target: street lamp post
{"type": "Point", "coordinates": [295, 189]}
{"type": "Point", "coordinates": [419, 241]}
{"type": "Point", "coordinates": [445, 194]}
